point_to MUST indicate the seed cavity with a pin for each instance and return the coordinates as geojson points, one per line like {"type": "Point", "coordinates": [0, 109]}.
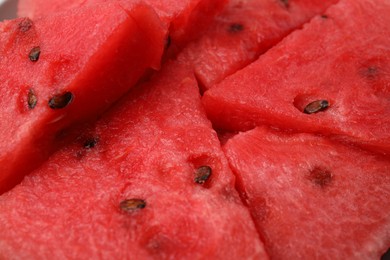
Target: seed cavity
{"type": "Point", "coordinates": [168, 42]}
{"type": "Point", "coordinates": [132, 205]}
{"type": "Point", "coordinates": [320, 176]}
{"type": "Point", "coordinates": [202, 174]}
{"type": "Point", "coordinates": [370, 72]}
{"type": "Point", "coordinates": [236, 27]}
{"type": "Point", "coordinates": [60, 101]}
{"type": "Point", "coordinates": [285, 3]}
{"type": "Point", "coordinates": [25, 25]}
{"type": "Point", "coordinates": [316, 106]}
{"type": "Point", "coordinates": [31, 99]}
{"type": "Point", "coordinates": [34, 54]}
{"type": "Point", "coordinates": [91, 143]}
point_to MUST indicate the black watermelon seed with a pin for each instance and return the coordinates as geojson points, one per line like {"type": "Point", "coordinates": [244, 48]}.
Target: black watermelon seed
{"type": "Point", "coordinates": [132, 204]}
{"type": "Point", "coordinates": [34, 54]}
{"type": "Point", "coordinates": [202, 174]}
{"type": "Point", "coordinates": [25, 25]}
{"type": "Point", "coordinates": [324, 16]}
{"type": "Point", "coordinates": [91, 143]}
{"type": "Point", "coordinates": [386, 256]}
{"type": "Point", "coordinates": [31, 99]}
{"type": "Point", "coordinates": [320, 176]}
{"type": "Point", "coordinates": [61, 101]}
{"type": "Point", "coordinates": [316, 106]}
{"type": "Point", "coordinates": [236, 27]}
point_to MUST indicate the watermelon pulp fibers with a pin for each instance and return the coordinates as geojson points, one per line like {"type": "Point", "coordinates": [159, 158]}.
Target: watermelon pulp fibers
{"type": "Point", "coordinates": [310, 197]}
{"type": "Point", "coordinates": [112, 176]}
{"type": "Point", "coordinates": [243, 31]}
{"type": "Point", "coordinates": [186, 18]}
{"type": "Point", "coordinates": [53, 67]}
{"type": "Point", "coordinates": [327, 63]}
{"type": "Point", "coordinates": [146, 149]}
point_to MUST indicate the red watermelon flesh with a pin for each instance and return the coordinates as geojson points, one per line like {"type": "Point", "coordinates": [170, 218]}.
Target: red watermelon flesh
{"type": "Point", "coordinates": [187, 18]}
{"type": "Point", "coordinates": [312, 198]}
{"type": "Point", "coordinates": [125, 188]}
{"type": "Point", "coordinates": [339, 60]}
{"type": "Point", "coordinates": [243, 31]}
{"type": "Point", "coordinates": [56, 72]}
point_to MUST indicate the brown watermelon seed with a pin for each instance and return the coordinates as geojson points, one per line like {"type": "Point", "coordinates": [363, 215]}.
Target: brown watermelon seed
{"type": "Point", "coordinates": [61, 101]}
{"type": "Point", "coordinates": [91, 143]}
{"type": "Point", "coordinates": [320, 176]}
{"type": "Point", "coordinates": [324, 16]}
{"type": "Point", "coordinates": [132, 204]}
{"type": "Point", "coordinates": [25, 25]}
{"type": "Point", "coordinates": [34, 54]}
{"type": "Point", "coordinates": [236, 27]}
{"type": "Point", "coordinates": [316, 106]}
{"type": "Point", "coordinates": [31, 99]}
{"type": "Point", "coordinates": [202, 174]}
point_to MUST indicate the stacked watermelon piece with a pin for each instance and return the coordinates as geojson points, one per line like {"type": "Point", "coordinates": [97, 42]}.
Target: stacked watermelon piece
{"type": "Point", "coordinates": [195, 129]}
{"type": "Point", "coordinates": [242, 32]}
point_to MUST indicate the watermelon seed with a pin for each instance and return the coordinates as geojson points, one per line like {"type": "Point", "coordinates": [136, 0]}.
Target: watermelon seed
{"type": "Point", "coordinates": [202, 174]}
{"type": "Point", "coordinates": [316, 106]}
{"type": "Point", "coordinates": [386, 256]}
{"type": "Point", "coordinates": [132, 204]}
{"type": "Point", "coordinates": [25, 25]}
{"type": "Point", "coordinates": [324, 16]}
{"type": "Point", "coordinates": [61, 101]}
{"type": "Point", "coordinates": [320, 176]}
{"type": "Point", "coordinates": [91, 143]}
{"type": "Point", "coordinates": [31, 99]}
{"type": "Point", "coordinates": [34, 54]}
{"type": "Point", "coordinates": [236, 27]}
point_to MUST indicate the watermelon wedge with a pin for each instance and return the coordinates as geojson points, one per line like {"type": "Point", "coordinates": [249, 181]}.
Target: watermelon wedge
{"type": "Point", "coordinates": [186, 18]}
{"type": "Point", "coordinates": [144, 182]}
{"type": "Point", "coordinates": [312, 198]}
{"type": "Point", "coordinates": [332, 77]}
{"type": "Point", "coordinates": [56, 73]}
{"type": "Point", "coordinates": [243, 31]}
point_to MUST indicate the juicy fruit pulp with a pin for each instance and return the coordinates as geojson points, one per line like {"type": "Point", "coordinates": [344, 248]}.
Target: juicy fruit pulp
{"type": "Point", "coordinates": [310, 197]}
{"type": "Point", "coordinates": [186, 19]}
{"type": "Point", "coordinates": [56, 73]}
{"type": "Point", "coordinates": [326, 60]}
{"type": "Point", "coordinates": [149, 179]}
{"type": "Point", "coordinates": [129, 182]}
{"type": "Point", "coordinates": [243, 31]}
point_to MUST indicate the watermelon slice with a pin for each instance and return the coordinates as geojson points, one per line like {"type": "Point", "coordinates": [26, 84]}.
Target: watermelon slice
{"type": "Point", "coordinates": [243, 31]}
{"type": "Point", "coordinates": [56, 72]}
{"type": "Point", "coordinates": [187, 18]}
{"type": "Point", "coordinates": [312, 198]}
{"type": "Point", "coordinates": [145, 182]}
{"type": "Point", "coordinates": [331, 77]}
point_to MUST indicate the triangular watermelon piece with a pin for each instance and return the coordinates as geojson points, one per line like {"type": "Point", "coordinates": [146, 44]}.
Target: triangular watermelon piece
{"type": "Point", "coordinates": [186, 18]}
{"type": "Point", "coordinates": [148, 181]}
{"type": "Point", "coordinates": [56, 72]}
{"type": "Point", "coordinates": [312, 198]}
{"type": "Point", "coordinates": [331, 77]}
{"type": "Point", "coordinates": [245, 30]}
